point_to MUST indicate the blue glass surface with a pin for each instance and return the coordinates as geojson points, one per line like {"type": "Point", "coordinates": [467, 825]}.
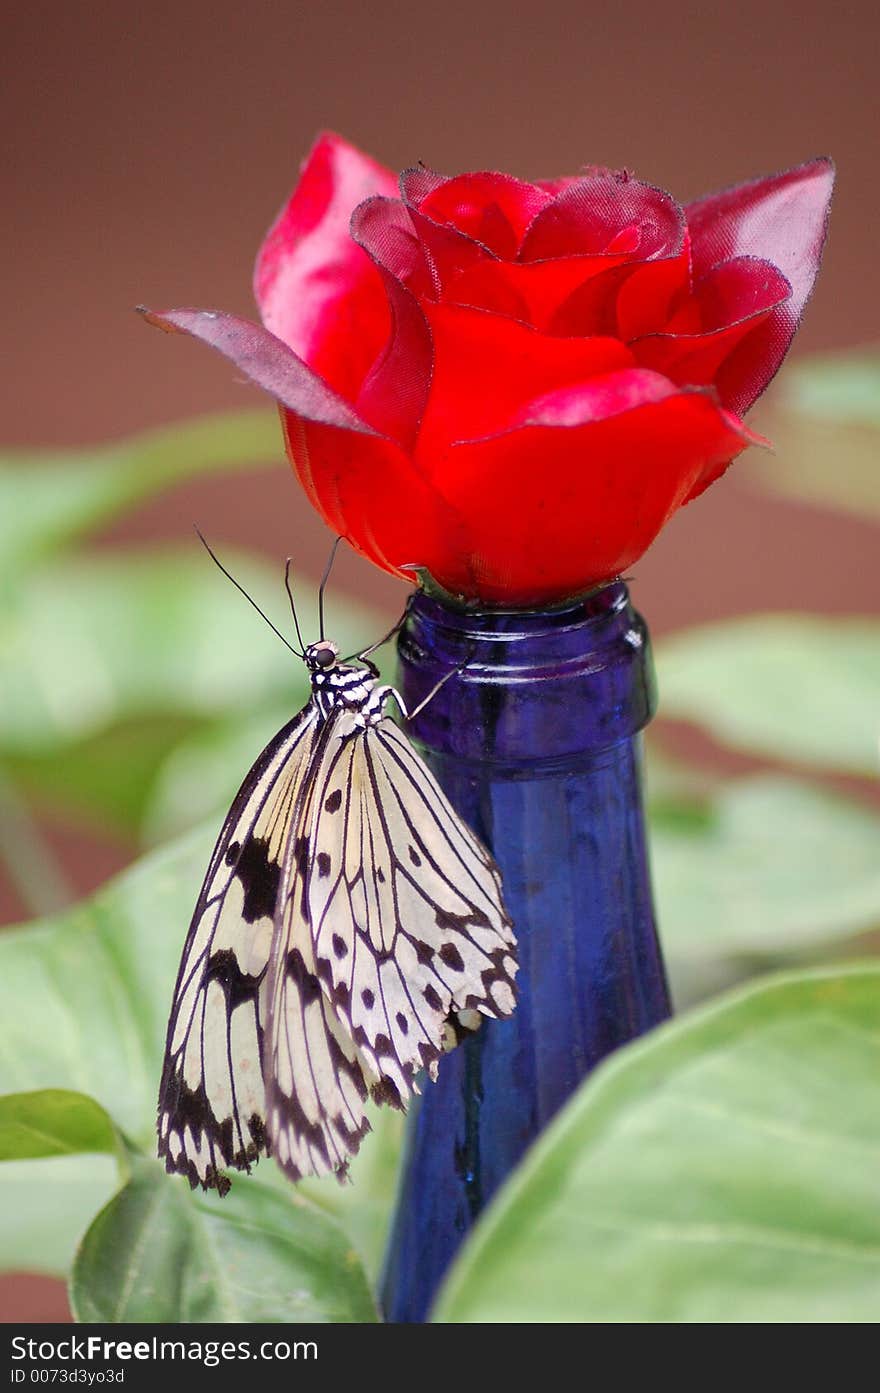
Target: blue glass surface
{"type": "Point", "coordinates": [536, 742]}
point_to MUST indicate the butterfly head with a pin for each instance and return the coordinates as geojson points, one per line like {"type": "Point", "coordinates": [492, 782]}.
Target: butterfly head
{"type": "Point", "coordinates": [321, 656]}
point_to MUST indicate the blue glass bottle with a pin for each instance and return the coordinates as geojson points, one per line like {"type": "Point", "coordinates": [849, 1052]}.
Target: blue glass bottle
{"type": "Point", "coordinates": [535, 739]}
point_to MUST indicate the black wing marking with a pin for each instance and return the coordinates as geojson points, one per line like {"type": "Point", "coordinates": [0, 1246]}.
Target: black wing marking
{"type": "Point", "coordinates": [212, 1110]}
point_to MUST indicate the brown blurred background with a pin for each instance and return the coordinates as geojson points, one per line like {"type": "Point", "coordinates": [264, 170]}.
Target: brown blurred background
{"type": "Point", "coordinates": [147, 148]}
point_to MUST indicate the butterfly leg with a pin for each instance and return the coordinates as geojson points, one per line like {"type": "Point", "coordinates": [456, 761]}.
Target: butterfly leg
{"type": "Point", "coordinates": [453, 672]}
{"type": "Point", "coordinates": [363, 655]}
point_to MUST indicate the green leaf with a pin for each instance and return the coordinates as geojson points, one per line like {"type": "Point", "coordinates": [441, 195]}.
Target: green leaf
{"type": "Point", "coordinates": [841, 387]}
{"type": "Point", "coordinates": [676, 794]}
{"type": "Point", "coordinates": [47, 1207]}
{"type": "Point", "coordinates": [363, 1208]}
{"type": "Point", "coordinates": [825, 427]}
{"type": "Point", "coordinates": [107, 664]}
{"type": "Point", "coordinates": [789, 686]}
{"type": "Point", "coordinates": [87, 644]}
{"type": "Point", "coordinates": [202, 771]}
{"type": "Point", "coordinates": [97, 980]}
{"type": "Point", "coordinates": [53, 1122]}
{"type": "Point", "coordinates": [49, 498]}
{"type": "Point", "coordinates": [161, 1253]}
{"type": "Point", "coordinates": [101, 977]}
{"type": "Point", "coordinates": [779, 867]}
{"type": "Point", "coordinates": [820, 462]}
{"type": "Point", "coordinates": [722, 1169]}
{"type": "Point", "coordinates": [107, 781]}
{"type": "Point", "coordinates": [48, 1203]}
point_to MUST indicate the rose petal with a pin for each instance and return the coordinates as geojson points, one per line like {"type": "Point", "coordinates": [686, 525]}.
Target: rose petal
{"type": "Point", "coordinates": [606, 213]}
{"type": "Point", "coordinates": [782, 219]}
{"type": "Point", "coordinates": [448, 252]}
{"type": "Point", "coordinates": [467, 272]}
{"type": "Point", "coordinates": [737, 290]}
{"type": "Point", "coordinates": [393, 394]}
{"type": "Point", "coordinates": [559, 509]}
{"type": "Point", "coordinates": [627, 301]}
{"type": "Point", "coordinates": [487, 368]}
{"type": "Point", "coordinates": [368, 491]}
{"type": "Point", "coordinates": [265, 360]}
{"type": "Point", "coordinates": [730, 303]}
{"type": "Point", "coordinates": [537, 289]}
{"type": "Point", "coordinates": [490, 208]}
{"type": "Point", "coordinates": [315, 287]}
{"type": "Point", "coordinates": [608, 394]}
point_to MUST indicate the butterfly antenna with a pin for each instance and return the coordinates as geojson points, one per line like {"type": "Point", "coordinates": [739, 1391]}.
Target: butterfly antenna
{"type": "Point", "coordinates": [324, 579]}
{"type": "Point", "coordinates": [292, 605]}
{"type": "Point", "coordinates": [219, 563]}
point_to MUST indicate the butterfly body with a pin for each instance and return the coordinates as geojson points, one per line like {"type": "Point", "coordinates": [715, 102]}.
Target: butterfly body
{"type": "Point", "coordinates": [349, 928]}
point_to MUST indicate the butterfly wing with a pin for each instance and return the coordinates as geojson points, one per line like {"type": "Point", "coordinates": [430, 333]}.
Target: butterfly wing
{"type": "Point", "coordinates": [404, 905]}
{"type": "Point", "coordinates": [212, 1109]}
{"type": "Point", "coordinates": [316, 1079]}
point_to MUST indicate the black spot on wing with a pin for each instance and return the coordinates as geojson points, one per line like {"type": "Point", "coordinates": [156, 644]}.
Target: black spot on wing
{"type": "Point", "coordinates": [368, 998]}
{"type": "Point", "coordinates": [257, 1129]}
{"type": "Point", "coordinates": [238, 986]}
{"type": "Point", "coordinates": [259, 875]}
{"type": "Point", "coordinates": [307, 983]}
{"type": "Point", "coordinates": [301, 855]}
{"type": "Point", "coordinates": [333, 801]}
{"type": "Point", "coordinates": [385, 1091]}
{"type": "Point", "coordinates": [340, 947]}
{"type": "Point", "coordinates": [323, 863]}
{"type": "Point", "coordinates": [450, 955]}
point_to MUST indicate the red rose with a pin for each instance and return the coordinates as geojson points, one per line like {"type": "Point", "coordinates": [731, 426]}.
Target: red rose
{"type": "Point", "coordinates": [515, 385]}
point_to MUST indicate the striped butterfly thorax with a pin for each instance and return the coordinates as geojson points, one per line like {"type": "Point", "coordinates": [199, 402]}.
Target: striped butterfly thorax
{"type": "Point", "coordinates": [349, 929]}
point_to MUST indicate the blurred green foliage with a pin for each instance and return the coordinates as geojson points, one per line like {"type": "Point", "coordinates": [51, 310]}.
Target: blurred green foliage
{"type": "Point", "coordinates": [719, 1169]}
{"type": "Point", "coordinates": [824, 427]}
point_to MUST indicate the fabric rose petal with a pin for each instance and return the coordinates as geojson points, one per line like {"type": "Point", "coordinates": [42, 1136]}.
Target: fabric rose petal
{"type": "Point", "coordinates": [516, 385]}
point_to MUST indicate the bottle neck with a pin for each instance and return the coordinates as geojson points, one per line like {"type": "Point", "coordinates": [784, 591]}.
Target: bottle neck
{"type": "Point", "coordinates": [529, 685]}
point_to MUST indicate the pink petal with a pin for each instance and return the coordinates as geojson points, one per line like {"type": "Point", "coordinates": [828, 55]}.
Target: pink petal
{"type": "Point", "coordinates": [608, 394]}
{"type": "Point", "coordinates": [782, 219]}
{"type": "Point", "coordinates": [266, 361]}
{"type": "Point", "coordinates": [315, 287]}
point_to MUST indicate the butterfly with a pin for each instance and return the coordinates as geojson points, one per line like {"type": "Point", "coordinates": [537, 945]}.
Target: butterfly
{"type": "Point", "coordinates": [350, 928]}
